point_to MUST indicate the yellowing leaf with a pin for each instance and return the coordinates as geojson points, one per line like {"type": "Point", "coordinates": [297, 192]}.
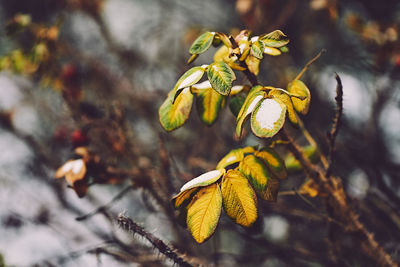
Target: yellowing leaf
{"type": "Point", "coordinates": [271, 191]}
{"type": "Point", "coordinates": [190, 77]}
{"type": "Point", "coordinates": [253, 64]}
{"type": "Point", "coordinates": [72, 170]}
{"type": "Point", "coordinates": [204, 179]}
{"type": "Point", "coordinates": [208, 103]}
{"type": "Point", "coordinates": [239, 198]}
{"type": "Point", "coordinates": [173, 115]}
{"type": "Point", "coordinates": [221, 77]}
{"type": "Point", "coordinates": [237, 89]}
{"type": "Point", "coordinates": [310, 188]}
{"type": "Point", "coordinates": [268, 117]}
{"type": "Point", "coordinates": [256, 172]}
{"type": "Point", "coordinates": [297, 87]}
{"type": "Point", "coordinates": [257, 49]}
{"type": "Point", "coordinates": [275, 39]}
{"type": "Point", "coordinates": [252, 99]}
{"type": "Point", "coordinates": [285, 98]}
{"type": "Point", "coordinates": [202, 43]}
{"type": "Point", "coordinates": [273, 161]}
{"type": "Point", "coordinates": [234, 156]}
{"type": "Point", "coordinates": [272, 51]}
{"type": "Point", "coordinates": [204, 211]}
{"type": "Point", "coordinates": [222, 54]}
{"type": "Point", "coordinates": [183, 197]}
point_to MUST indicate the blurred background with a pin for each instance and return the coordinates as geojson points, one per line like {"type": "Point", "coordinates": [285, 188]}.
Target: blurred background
{"type": "Point", "coordinates": [92, 73]}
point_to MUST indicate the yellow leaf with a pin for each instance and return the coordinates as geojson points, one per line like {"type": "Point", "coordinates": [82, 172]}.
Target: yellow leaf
{"type": "Point", "coordinates": [183, 197]}
{"type": "Point", "coordinates": [252, 99]}
{"type": "Point", "coordinates": [234, 156]}
{"type": "Point", "coordinates": [297, 87]}
{"type": "Point", "coordinates": [310, 188]}
{"type": "Point", "coordinates": [274, 161]}
{"type": "Point", "coordinates": [239, 198]}
{"type": "Point", "coordinates": [209, 103]}
{"type": "Point", "coordinates": [204, 211]}
{"type": "Point", "coordinates": [253, 64]}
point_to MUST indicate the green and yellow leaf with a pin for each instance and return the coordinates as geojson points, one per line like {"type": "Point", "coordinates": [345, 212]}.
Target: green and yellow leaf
{"type": "Point", "coordinates": [190, 77]}
{"type": "Point", "coordinates": [257, 49]}
{"type": "Point", "coordinates": [293, 165]}
{"type": "Point", "coordinates": [204, 179]}
{"type": "Point", "coordinates": [202, 43]}
{"type": "Point", "coordinates": [234, 156]}
{"type": "Point", "coordinates": [274, 162]}
{"type": "Point", "coordinates": [272, 51]}
{"type": "Point", "coordinates": [221, 77]}
{"type": "Point", "coordinates": [256, 172]}
{"type": "Point", "coordinates": [238, 198]}
{"type": "Point", "coordinates": [204, 211]}
{"type": "Point", "coordinates": [172, 114]}
{"type": "Point", "coordinates": [183, 197]}
{"type": "Point", "coordinates": [209, 103]}
{"type": "Point", "coordinates": [286, 99]}
{"type": "Point", "coordinates": [297, 87]}
{"type": "Point", "coordinates": [268, 117]}
{"type": "Point", "coordinates": [275, 39]}
{"type": "Point", "coordinates": [253, 98]}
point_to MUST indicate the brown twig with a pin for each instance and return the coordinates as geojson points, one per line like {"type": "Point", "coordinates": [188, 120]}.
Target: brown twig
{"type": "Point", "coordinates": [133, 228]}
{"type": "Point", "coordinates": [336, 123]}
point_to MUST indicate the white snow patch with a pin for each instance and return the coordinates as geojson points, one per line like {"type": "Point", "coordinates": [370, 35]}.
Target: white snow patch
{"type": "Point", "coordinates": [231, 158]}
{"type": "Point", "coordinates": [77, 166]}
{"type": "Point", "coordinates": [205, 177]}
{"type": "Point", "coordinates": [253, 104]}
{"type": "Point", "coordinates": [188, 81]}
{"type": "Point", "coordinates": [203, 85]}
{"type": "Point", "coordinates": [269, 112]}
{"type": "Point", "coordinates": [254, 39]}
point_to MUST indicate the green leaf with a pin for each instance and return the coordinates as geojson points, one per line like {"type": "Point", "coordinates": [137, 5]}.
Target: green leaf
{"type": "Point", "coordinates": [190, 77]}
{"type": "Point", "coordinates": [272, 51]}
{"type": "Point", "coordinates": [286, 99]}
{"type": "Point", "coordinates": [239, 198]}
{"type": "Point", "coordinates": [249, 105]}
{"type": "Point", "coordinates": [273, 160]}
{"type": "Point", "coordinates": [257, 49]}
{"type": "Point", "coordinates": [297, 87]}
{"type": "Point", "coordinates": [236, 102]}
{"type": "Point", "coordinates": [209, 103]}
{"type": "Point", "coordinates": [275, 39]}
{"type": "Point", "coordinates": [221, 77]}
{"type": "Point", "coordinates": [204, 211]}
{"type": "Point", "coordinates": [268, 117]}
{"type": "Point", "coordinates": [202, 43]}
{"type": "Point", "coordinates": [257, 174]}
{"type": "Point", "coordinates": [173, 115]}
{"type": "Point", "coordinates": [234, 156]}
{"type": "Point", "coordinates": [204, 179]}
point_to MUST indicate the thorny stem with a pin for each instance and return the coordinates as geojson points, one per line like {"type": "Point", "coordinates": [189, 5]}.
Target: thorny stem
{"type": "Point", "coordinates": [336, 123]}
{"type": "Point", "coordinates": [133, 228]}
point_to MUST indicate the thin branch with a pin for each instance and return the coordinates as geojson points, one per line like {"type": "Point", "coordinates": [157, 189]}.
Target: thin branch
{"type": "Point", "coordinates": [309, 63]}
{"type": "Point", "coordinates": [336, 122]}
{"type": "Point", "coordinates": [133, 228]}
{"type": "Point", "coordinates": [106, 206]}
